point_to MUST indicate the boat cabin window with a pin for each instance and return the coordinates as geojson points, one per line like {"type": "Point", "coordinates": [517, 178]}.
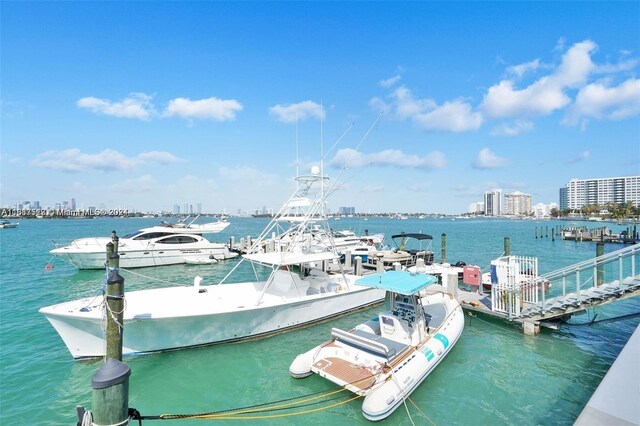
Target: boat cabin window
{"type": "Point", "coordinates": [177, 239]}
{"type": "Point", "coordinates": [151, 235]}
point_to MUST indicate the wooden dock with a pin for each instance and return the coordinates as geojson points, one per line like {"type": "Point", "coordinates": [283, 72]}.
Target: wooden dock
{"type": "Point", "coordinates": [553, 298]}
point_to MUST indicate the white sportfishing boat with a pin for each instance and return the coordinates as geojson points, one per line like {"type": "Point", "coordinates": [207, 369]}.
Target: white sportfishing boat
{"type": "Point", "coordinates": [163, 244]}
{"type": "Point", "coordinates": [7, 224]}
{"type": "Point", "coordinates": [298, 285]}
{"type": "Point", "coordinates": [387, 357]}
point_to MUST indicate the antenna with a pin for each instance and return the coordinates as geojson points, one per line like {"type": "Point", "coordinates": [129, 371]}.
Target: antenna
{"type": "Point", "coordinates": [322, 150]}
{"type": "Point", "coordinates": [297, 153]}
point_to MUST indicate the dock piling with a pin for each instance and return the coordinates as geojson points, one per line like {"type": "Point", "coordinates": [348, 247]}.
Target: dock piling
{"type": "Point", "coordinates": [443, 253]}
{"type": "Point", "coordinates": [507, 246]}
{"type": "Point", "coordinates": [110, 394]}
{"type": "Point", "coordinates": [600, 267]}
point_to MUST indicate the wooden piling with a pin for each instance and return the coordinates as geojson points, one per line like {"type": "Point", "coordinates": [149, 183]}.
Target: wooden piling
{"type": "Point", "coordinates": [536, 232]}
{"type": "Point", "coordinates": [443, 252]}
{"type": "Point", "coordinates": [600, 268]}
{"type": "Point", "coordinates": [110, 384]}
{"type": "Point", "coordinates": [110, 395]}
{"type": "Point", "coordinates": [553, 234]}
{"type": "Point", "coordinates": [507, 246]}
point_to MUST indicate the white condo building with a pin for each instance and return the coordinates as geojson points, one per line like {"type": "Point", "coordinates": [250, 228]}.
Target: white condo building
{"type": "Point", "coordinates": [517, 203]}
{"type": "Point", "coordinates": [616, 190]}
{"type": "Point", "coordinates": [493, 202]}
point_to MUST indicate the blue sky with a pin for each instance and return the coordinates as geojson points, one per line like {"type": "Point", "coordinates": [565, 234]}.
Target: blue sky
{"type": "Point", "coordinates": [144, 105]}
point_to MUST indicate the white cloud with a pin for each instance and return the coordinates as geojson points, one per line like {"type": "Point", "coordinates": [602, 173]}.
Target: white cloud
{"type": "Point", "coordinates": [378, 105]}
{"type": "Point", "coordinates": [406, 106]}
{"type": "Point", "coordinates": [547, 94]}
{"type": "Point", "coordinates": [522, 69]}
{"type": "Point", "coordinates": [597, 100]}
{"type": "Point", "coordinates": [372, 189]}
{"type": "Point", "coordinates": [454, 116]}
{"type": "Point", "coordinates": [512, 129]}
{"type": "Point", "coordinates": [136, 105]}
{"type": "Point", "coordinates": [75, 161]}
{"type": "Point", "coordinates": [390, 81]}
{"type": "Point", "coordinates": [584, 155]}
{"type": "Point", "coordinates": [210, 108]}
{"type": "Point", "coordinates": [161, 157]}
{"type": "Point", "coordinates": [488, 160]}
{"type": "Point", "coordinates": [390, 157]}
{"type": "Point", "coordinates": [300, 111]}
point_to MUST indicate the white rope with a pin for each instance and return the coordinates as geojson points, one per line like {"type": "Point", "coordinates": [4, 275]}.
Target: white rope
{"type": "Point", "coordinates": [87, 419]}
{"type": "Point", "coordinates": [122, 423]}
{"type": "Point", "coordinates": [152, 278]}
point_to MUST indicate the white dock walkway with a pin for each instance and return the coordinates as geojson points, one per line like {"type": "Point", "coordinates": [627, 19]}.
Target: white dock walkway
{"type": "Point", "coordinates": [616, 401]}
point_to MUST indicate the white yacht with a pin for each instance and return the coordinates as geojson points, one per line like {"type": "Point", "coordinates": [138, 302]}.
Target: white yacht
{"type": "Point", "coordinates": [294, 285]}
{"type": "Point", "coordinates": [387, 357]}
{"type": "Point", "coordinates": [163, 244]}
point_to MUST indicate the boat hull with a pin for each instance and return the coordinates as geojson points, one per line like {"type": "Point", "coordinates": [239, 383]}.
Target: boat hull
{"type": "Point", "coordinates": [93, 256]}
{"type": "Point", "coordinates": [185, 317]}
{"type": "Point", "coordinates": [356, 368]}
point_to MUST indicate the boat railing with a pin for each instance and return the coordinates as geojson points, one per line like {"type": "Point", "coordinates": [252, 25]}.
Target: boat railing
{"type": "Point", "coordinates": [612, 268]}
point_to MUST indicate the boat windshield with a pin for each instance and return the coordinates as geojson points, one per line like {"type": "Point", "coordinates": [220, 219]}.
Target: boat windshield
{"type": "Point", "coordinates": [133, 234]}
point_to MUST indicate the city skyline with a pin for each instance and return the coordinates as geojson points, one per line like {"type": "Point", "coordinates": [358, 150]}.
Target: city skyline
{"type": "Point", "coordinates": [416, 106]}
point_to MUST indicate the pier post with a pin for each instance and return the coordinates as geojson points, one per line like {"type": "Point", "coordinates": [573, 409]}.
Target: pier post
{"type": "Point", "coordinates": [110, 384]}
{"type": "Point", "coordinates": [110, 395]}
{"type": "Point", "coordinates": [537, 232]}
{"type": "Point", "coordinates": [553, 234]}
{"type": "Point", "coordinates": [357, 267]}
{"type": "Point", "coordinates": [115, 302]}
{"type": "Point", "coordinates": [546, 231]}
{"type": "Point", "coordinates": [600, 267]}
{"type": "Point", "coordinates": [347, 259]}
{"type": "Point", "coordinates": [507, 246]}
{"type": "Point", "coordinates": [443, 253]}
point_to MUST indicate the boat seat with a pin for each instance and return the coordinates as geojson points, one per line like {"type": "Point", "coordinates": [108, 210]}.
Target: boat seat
{"type": "Point", "coordinates": [395, 348]}
{"type": "Point", "coordinates": [392, 328]}
{"type": "Point", "coordinates": [435, 314]}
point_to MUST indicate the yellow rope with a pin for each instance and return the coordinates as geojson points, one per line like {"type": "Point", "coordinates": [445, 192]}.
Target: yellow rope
{"type": "Point", "coordinates": [254, 410]}
{"type": "Point", "coordinates": [225, 416]}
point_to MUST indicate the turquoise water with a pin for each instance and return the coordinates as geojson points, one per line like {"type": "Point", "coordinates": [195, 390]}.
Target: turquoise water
{"type": "Point", "coordinates": [494, 375]}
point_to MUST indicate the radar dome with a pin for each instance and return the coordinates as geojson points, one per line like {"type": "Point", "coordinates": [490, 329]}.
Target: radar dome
{"type": "Point", "coordinates": [315, 170]}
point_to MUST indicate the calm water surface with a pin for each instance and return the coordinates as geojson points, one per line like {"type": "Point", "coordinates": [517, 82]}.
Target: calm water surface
{"type": "Point", "coordinates": [495, 375]}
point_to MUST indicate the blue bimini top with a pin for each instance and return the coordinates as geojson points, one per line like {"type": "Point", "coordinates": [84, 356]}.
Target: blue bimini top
{"type": "Point", "coordinates": [401, 282]}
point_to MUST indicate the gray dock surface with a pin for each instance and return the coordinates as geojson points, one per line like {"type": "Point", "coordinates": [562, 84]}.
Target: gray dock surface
{"type": "Point", "coordinates": [616, 401]}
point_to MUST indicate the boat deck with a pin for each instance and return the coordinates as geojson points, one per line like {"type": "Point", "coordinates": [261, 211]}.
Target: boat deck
{"type": "Point", "coordinates": [359, 379]}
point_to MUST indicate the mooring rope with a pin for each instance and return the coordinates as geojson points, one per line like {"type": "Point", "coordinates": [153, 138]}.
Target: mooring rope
{"type": "Point", "coordinates": [129, 271]}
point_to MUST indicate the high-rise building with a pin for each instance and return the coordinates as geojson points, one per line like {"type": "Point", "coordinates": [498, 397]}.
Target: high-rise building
{"type": "Point", "coordinates": [475, 208]}
{"type": "Point", "coordinates": [563, 198]}
{"type": "Point", "coordinates": [176, 209]}
{"type": "Point", "coordinates": [517, 203]}
{"type": "Point", "coordinates": [616, 190]}
{"type": "Point", "coordinates": [493, 202]}
{"type": "Point", "coordinates": [347, 210]}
